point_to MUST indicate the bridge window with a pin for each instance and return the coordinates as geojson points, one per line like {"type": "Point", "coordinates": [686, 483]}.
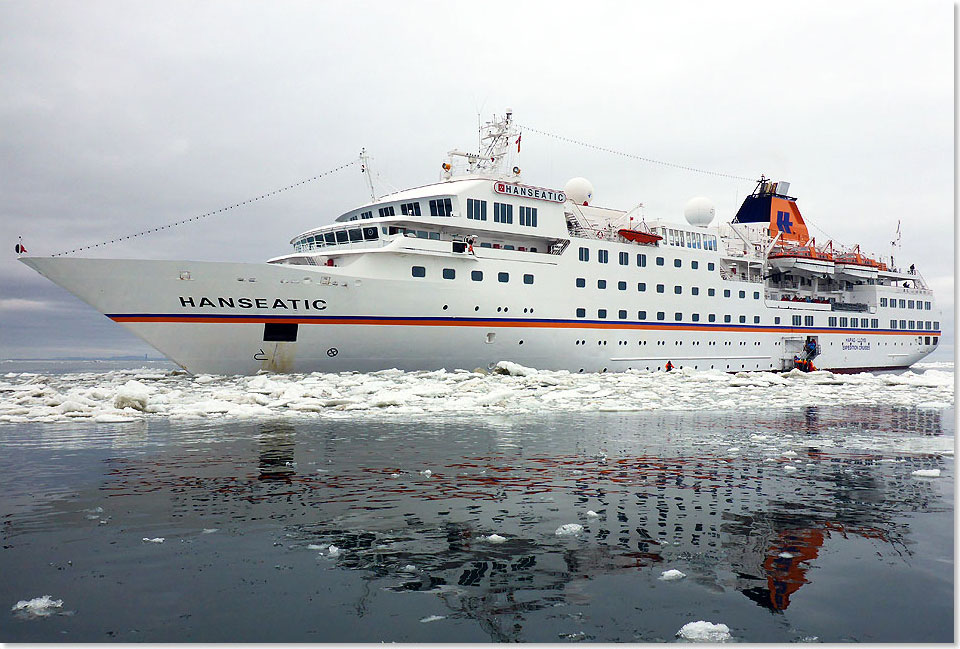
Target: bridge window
{"type": "Point", "coordinates": [440, 207]}
{"type": "Point", "coordinates": [341, 236]}
{"type": "Point", "coordinates": [410, 209]}
{"type": "Point", "coordinates": [366, 215]}
{"type": "Point", "coordinates": [528, 216]}
{"type": "Point", "coordinates": [476, 209]}
{"type": "Point", "coordinates": [356, 234]}
{"type": "Point", "coordinates": [386, 211]}
{"type": "Point", "coordinates": [502, 213]}
{"type": "Point", "coordinates": [419, 271]}
{"type": "Point", "coordinates": [371, 233]}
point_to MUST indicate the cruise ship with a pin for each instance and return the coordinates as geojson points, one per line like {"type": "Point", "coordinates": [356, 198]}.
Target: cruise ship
{"type": "Point", "coordinates": [480, 267]}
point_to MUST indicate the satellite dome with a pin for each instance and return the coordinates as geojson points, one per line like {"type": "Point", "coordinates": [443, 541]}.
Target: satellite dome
{"type": "Point", "coordinates": [579, 190]}
{"type": "Point", "coordinates": [699, 211]}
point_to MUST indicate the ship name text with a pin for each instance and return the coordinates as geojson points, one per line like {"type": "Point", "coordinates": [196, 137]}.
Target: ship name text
{"type": "Point", "coordinates": [527, 191]}
{"type": "Point", "coordinates": [856, 344]}
{"type": "Point", "coordinates": [253, 303]}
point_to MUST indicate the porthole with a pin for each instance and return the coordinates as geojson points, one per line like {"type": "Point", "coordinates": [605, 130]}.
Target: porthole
{"type": "Point", "coordinates": [476, 308]}
{"type": "Point", "coordinates": [444, 307]}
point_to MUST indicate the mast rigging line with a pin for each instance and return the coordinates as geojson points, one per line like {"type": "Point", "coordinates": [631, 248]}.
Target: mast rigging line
{"type": "Point", "coordinates": [636, 157]}
{"type": "Point", "coordinates": [207, 214]}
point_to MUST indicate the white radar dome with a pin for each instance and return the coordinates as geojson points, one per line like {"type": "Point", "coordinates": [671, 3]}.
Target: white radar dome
{"type": "Point", "coordinates": [699, 211]}
{"type": "Point", "coordinates": [579, 190]}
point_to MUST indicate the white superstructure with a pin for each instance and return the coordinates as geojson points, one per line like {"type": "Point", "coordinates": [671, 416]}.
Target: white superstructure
{"type": "Point", "coordinates": [480, 267]}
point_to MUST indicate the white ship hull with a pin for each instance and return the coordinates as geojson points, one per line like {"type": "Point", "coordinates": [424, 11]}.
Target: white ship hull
{"type": "Point", "coordinates": [210, 318]}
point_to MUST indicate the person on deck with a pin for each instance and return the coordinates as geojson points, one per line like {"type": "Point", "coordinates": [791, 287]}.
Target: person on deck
{"type": "Point", "coordinates": [669, 366]}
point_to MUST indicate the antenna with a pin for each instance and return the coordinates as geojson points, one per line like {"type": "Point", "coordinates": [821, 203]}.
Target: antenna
{"type": "Point", "coordinates": [365, 169]}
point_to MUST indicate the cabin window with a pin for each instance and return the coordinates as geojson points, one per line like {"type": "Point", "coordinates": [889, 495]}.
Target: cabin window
{"type": "Point", "coordinates": [476, 275]}
{"type": "Point", "coordinates": [280, 332]}
{"type": "Point", "coordinates": [712, 317]}
{"type": "Point", "coordinates": [386, 211]}
{"type": "Point", "coordinates": [910, 304]}
{"type": "Point", "coordinates": [694, 265]}
{"type": "Point", "coordinates": [677, 290]}
{"type": "Point", "coordinates": [743, 319]}
{"type": "Point", "coordinates": [659, 261]}
{"type": "Point", "coordinates": [695, 290]}
{"type": "Point", "coordinates": [356, 234]}
{"type": "Point", "coordinates": [903, 324]}
{"type": "Point", "coordinates": [486, 244]}
{"type": "Point", "coordinates": [808, 321]}
{"type": "Point", "coordinates": [410, 209]}
{"type": "Point", "coordinates": [601, 283]}
{"type": "Point", "coordinates": [798, 319]}
{"type": "Point", "coordinates": [678, 316]}
{"type": "Point", "coordinates": [756, 295]}
{"type": "Point", "coordinates": [503, 277]}
{"type": "Point", "coordinates": [875, 323]}
{"type": "Point", "coordinates": [641, 286]}
{"type": "Point", "coordinates": [601, 313]}
{"type": "Point", "coordinates": [711, 292]}
{"type": "Point", "coordinates": [883, 301]}
{"type": "Point", "coordinates": [641, 315]}
{"type": "Point", "coordinates": [528, 216]}
{"type": "Point", "coordinates": [418, 271]}
{"type": "Point", "coordinates": [903, 304]}
{"type": "Point", "coordinates": [864, 323]}
{"type": "Point", "coordinates": [661, 315]}
{"type": "Point", "coordinates": [695, 317]}
{"type": "Point", "coordinates": [642, 261]}
{"type": "Point", "coordinates": [622, 314]}
{"type": "Point", "coordinates": [435, 236]}
{"type": "Point", "coordinates": [440, 207]}
{"type": "Point", "coordinates": [527, 278]}
{"type": "Point", "coordinates": [936, 325]}
{"type": "Point", "coordinates": [476, 209]}
{"type": "Point", "coordinates": [624, 259]}
{"type": "Point", "coordinates": [366, 215]}
{"type": "Point", "coordinates": [710, 265]}
{"type": "Point", "coordinates": [622, 286]}
{"type": "Point", "coordinates": [507, 246]}
{"type": "Point", "coordinates": [756, 319]}
{"type": "Point", "coordinates": [502, 213]}
{"type": "Point", "coordinates": [677, 263]}
{"type": "Point", "coordinates": [832, 321]}
{"type": "Point", "coordinates": [926, 305]}
{"type": "Point", "coordinates": [581, 313]}
{"type": "Point", "coordinates": [911, 325]}
{"type": "Point", "coordinates": [726, 318]}
{"type": "Point", "coordinates": [743, 294]}
{"type": "Point", "coordinates": [893, 324]}
{"type": "Point", "coordinates": [726, 292]}
{"type": "Point", "coordinates": [449, 273]}
{"type": "Point", "coordinates": [843, 322]}
{"type": "Point", "coordinates": [584, 254]}
{"type": "Point", "coordinates": [660, 288]}
{"type": "Point", "coordinates": [329, 238]}
{"type": "Point", "coordinates": [581, 282]}
{"type": "Point", "coordinates": [603, 256]}
{"type": "Point", "coordinates": [776, 320]}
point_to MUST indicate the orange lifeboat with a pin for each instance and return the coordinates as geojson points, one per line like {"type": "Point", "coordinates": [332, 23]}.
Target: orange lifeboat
{"type": "Point", "coordinates": [638, 236]}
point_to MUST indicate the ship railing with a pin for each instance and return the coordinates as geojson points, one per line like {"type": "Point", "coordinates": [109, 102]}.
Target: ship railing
{"type": "Point", "coordinates": [558, 247]}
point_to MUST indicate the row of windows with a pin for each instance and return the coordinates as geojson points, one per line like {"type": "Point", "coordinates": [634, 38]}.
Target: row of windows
{"type": "Point", "coordinates": [603, 256]}
{"type": "Point", "coordinates": [438, 207]}
{"type": "Point", "coordinates": [677, 316]}
{"type": "Point", "coordinates": [906, 304]}
{"type": "Point", "coordinates": [502, 212]}
{"type": "Point", "coordinates": [677, 289]}
{"type": "Point", "coordinates": [915, 324]}
{"type": "Point", "coordinates": [475, 275]}
{"type": "Point", "coordinates": [683, 239]}
{"type": "Point", "coordinates": [335, 237]}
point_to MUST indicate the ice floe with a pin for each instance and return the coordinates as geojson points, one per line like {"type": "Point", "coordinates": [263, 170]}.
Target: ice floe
{"type": "Point", "coordinates": [701, 631]}
{"type": "Point", "coordinates": [433, 618]}
{"type": "Point", "coordinates": [671, 575]}
{"type": "Point", "coordinates": [158, 539]}
{"type": "Point", "coordinates": [37, 607]}
{"type": "Point", "coordinates": [494, 538]}
{"type": "Point", "coordinates": [128, 395]}
{"type": "Point", "coordinates": [927, 473]}
{"type": "Point", "coordinates": [569, 529]}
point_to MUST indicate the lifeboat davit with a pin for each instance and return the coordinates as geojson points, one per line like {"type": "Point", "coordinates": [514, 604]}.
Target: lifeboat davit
{"type": "Point", "coordinates": [639, 236]}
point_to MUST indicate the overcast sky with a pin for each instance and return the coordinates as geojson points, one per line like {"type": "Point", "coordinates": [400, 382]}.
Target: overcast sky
{"type": "Point", "coordinates": [120, 116]}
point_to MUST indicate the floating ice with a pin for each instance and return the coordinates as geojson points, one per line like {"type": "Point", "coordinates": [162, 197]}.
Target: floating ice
{"type": "Point", "coordinates": [494, 538]}
{"type": "Point", "coordinates": [37, 607]}
{"type": "Point", "coordinates": [704, 632]}
{"type": "Point", "coordinates": [125, 395]}
{"type": "Point", "coordinates": [570, 529]}
{"type": "Point", "coordinates": [785, 555]}
{"type": "Point", "coordinates": [671, 575]}
{"type": "Point", "coordinates": [159, 539]}
{"type": "Point", "coordinates": [409, 568]}
{"type": "Point", "coordinates": [927, 473]}
{"type": "Point", "coordinates": [592, 514]}
{"type": "Point", "coordinates": [433, 618]}
{"type": "Point", "coordinates": [210, 530]}
{"type": "Point", "coordinates": [333, 551]}
{"type": "Point", "coordinates": [789, 468]}
{"type": "Point", "coordinates": [427, 473]}
{"type": "Point", "coordinates": [314, 546]}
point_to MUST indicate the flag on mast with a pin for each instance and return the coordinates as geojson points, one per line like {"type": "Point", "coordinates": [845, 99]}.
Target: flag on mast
{"type": "Point", "coordinates": [19, 247]}
{"type": "Point", "coordinates": [518, 142]}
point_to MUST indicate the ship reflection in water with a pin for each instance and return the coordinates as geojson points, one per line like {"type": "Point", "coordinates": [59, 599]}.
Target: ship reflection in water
{"type": "Point", "coordinates": [752, 507]}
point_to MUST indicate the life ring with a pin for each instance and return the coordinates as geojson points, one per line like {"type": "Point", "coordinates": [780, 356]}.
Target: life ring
{"type": "Point", "coordinates": [599, 234]}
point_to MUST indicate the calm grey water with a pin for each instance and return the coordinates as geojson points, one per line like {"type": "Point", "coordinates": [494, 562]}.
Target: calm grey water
{"type": "Point", "coordinates": [801, 525]}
